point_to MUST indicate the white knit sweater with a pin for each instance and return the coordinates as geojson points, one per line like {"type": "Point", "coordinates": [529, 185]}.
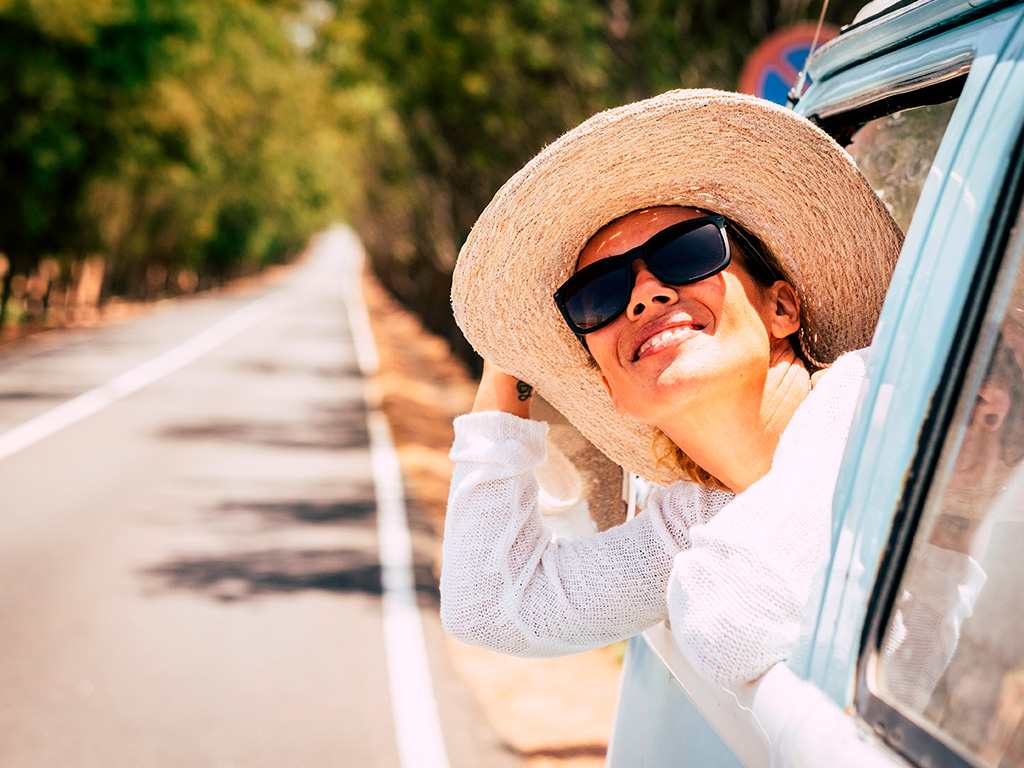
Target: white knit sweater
{"type": "Point", "coordinates": [733, 573]}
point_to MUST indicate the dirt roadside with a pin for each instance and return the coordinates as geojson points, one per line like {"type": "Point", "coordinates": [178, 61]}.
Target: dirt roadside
{"type": "Point", "coordinates": [552, 712]}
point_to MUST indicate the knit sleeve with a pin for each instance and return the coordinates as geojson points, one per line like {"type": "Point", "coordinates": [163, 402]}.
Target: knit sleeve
{"type": "Point", "coordinates": [937, 595]}
{"type": "Point", "coordinates": [507, 584]}
{"type": "Point", "coordinates": [736, 597]}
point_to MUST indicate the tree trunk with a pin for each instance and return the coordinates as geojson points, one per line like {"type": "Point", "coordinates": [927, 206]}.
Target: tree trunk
{"type": "Point", "coordinates": [5, 296]}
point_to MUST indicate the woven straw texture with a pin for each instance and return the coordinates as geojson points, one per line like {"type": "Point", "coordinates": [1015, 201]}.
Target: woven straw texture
{"type": "Point", "coordinates": [767, 169]}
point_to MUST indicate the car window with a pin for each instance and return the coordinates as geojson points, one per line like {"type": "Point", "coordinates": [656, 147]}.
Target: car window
{"type": "Point", "coordinates": [952, 654]}
{"type": "Point", "coordinates": [895, 152]}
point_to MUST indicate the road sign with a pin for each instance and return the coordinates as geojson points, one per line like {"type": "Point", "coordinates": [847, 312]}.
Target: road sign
{"type": "Point", "coordinates": [773, 66]}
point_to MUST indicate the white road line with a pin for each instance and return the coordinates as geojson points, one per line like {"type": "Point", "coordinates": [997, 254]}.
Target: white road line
{"type": "Point", "coordinates": [418, 732]}
{"type": "Point", "coordinates": [76, 409]}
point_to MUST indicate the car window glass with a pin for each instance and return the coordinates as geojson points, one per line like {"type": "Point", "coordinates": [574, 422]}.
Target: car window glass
{"type": "Point", "coordinates": [953, 652]}
{"type": "Point", "coordinates": [894, 153]}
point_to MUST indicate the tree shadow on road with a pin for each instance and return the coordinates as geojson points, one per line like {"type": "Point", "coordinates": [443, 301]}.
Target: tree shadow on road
{"type": "Point", "coordinates": [249, 575]}
{"type": "Point", "coordinates": [327, 427]}
{"type": "Point", "coordinates": [275, 513]}
{"type": "Point", "coordinates": [568, 752]}
{"type": "Point", "coordinates": [22, 396]}
{"type": "Point", "coordinates": [245, 569]}
{"type": "Point", "coordinates": [263, 367]}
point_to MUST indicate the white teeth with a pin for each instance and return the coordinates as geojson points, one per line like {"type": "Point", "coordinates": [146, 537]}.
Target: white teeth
{"type": "Point", "coordinates": [660, 338]}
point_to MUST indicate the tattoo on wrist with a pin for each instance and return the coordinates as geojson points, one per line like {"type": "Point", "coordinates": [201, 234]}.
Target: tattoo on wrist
{"type": "Point", "coordinates": [525, 391]}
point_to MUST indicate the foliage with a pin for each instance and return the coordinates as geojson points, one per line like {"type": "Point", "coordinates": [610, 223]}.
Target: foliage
{"type": "Point", "coordinates": [231, 162]}
{"type": "Point", "coordinates": [67, 67]}
{"type": "Point", "coordinates": [174, 137]}
{"type": "Point", "coordinates": [180, 142]}
{"type": "Point", "coordinates": [470, 89]}
{"type": "Point", "coordinates": [466, 90]}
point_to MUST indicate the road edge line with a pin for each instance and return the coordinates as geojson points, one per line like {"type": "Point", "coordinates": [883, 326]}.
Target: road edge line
{"type": "Point", "coordinates": [418, 733]}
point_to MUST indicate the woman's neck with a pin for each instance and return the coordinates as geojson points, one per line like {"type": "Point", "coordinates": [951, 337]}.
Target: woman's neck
{"type": "Point", "coordinates": [736, 441]}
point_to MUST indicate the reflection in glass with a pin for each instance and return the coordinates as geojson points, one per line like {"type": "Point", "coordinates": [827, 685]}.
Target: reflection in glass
{"type": "Point", "coordinates": [953, 653]}
{"type": "Point", "coordinates": [895, 153]}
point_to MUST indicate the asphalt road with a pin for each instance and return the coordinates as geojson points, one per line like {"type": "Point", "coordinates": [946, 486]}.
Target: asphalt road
{"type": "Point", "coordinates": [189, 564]}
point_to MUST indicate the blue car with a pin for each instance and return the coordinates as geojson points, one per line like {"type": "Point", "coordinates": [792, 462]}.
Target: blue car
{"type": "Point", "coordinates": [928, 520]}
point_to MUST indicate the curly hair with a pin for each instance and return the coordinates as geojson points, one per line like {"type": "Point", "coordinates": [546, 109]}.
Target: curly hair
{"type": "Point", "coordinates": [667, 453]}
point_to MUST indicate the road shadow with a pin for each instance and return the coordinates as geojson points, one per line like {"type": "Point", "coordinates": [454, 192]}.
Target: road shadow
{"type": "Point", "coordinates": [250, 575]}
{"type": "Point", "coordinates": [247, 572]}
{"type": "Point", "coordinates": [35, 395]}
{"type": "Point", "coordinates": [330, 427]}
{"type": "Point", "coordinates": [278, 513]}
{"type": "Point", "coordinates": [263, 367]}
{"type": "Point", "coordinates": [567, 752]}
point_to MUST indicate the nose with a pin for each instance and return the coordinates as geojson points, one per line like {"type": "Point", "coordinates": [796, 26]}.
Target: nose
{"type": "Point", "coordinates": [648, 290]}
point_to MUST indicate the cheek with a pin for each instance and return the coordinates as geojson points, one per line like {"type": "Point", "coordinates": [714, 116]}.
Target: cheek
{"type": "Point", "coordinates": [603, 348]}
{"type": "Point", "coordinates": [745, 315]}
{"type": "Point", "coordinates": [754, 328]}
{"type": "Point", "coordinates": [603, 344]}
{"type": "Point", "coordinates": [708, 299]}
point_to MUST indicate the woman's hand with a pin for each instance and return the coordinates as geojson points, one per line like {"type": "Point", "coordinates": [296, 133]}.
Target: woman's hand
{"type": "Point", "coordinates": [500, 392]}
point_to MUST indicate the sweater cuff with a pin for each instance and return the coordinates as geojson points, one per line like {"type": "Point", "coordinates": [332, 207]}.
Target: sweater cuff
{"type": "Point", "coordinates": [960, 567]}
{"type": "Point", "coordinates": [942, 577]}
{"type": "Point", "coordinates": [478, 434]}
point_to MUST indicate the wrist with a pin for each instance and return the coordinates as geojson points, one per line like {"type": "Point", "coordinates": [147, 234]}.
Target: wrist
{"type": "Point", "coordinates": [499, 391]}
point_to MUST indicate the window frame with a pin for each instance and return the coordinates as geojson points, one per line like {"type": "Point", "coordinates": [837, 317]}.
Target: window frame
{"type": "Point", "coordinates": [939, 88]}
{"type": "Point", "coordinates": [939, 258]}
{"type": "Point", "coordinates": [912, 737]}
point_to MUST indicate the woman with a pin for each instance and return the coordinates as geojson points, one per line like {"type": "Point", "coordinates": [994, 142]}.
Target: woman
{"type": "Point", "coordinates": [681, 273]}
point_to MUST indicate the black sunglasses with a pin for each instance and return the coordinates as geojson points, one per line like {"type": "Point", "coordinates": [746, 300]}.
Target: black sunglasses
{"type": "Point", "coordinates": [684, 253]}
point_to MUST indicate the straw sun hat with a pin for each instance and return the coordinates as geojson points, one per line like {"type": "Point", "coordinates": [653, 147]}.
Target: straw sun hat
{"type": "Point", "coordinates": [763, 167]}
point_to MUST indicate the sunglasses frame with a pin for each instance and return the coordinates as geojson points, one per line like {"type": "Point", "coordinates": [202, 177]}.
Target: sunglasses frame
{"type": "Point", "coordinates": [642, 252]}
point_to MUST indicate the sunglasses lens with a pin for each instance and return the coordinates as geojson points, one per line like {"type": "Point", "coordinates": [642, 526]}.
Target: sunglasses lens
{"type": "Point", "coordinates": [690, 257]}
{"type": "Point", "coordinates": [596, 294]}
{"type": "Point", "coordinates": [682, 254]}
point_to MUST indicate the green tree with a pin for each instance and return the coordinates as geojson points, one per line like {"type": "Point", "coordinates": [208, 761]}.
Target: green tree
{"type": "Point", "coordinates": [168, 136]}
{"type": "Point", "coordinates": [233, 161]}
{"type": "Point", "coordinates": [68, 66]}
{"type": "Point", "coordinates": [468, 90]}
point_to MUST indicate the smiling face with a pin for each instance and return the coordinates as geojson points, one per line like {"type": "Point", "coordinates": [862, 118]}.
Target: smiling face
{"type": "Point", "coordinates": [676, 347]}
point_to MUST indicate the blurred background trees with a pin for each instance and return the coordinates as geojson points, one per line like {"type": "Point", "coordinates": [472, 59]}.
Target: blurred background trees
{"type": "Point", "coordinates": [157, 146]}
{"type": "Point", "coordinates": [152, 147]}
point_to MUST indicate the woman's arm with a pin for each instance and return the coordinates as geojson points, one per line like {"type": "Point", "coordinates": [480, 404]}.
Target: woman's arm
{"type": "Point", "coordinates": [506, 584]}
{"type": "Point", "coordinates": [498, 391]}
{"type": "Point", "coordinates": [736, 598]}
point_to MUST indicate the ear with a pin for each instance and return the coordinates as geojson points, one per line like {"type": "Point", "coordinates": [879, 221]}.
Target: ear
{"type": "Point", "coordinates": [784, 319]}
{"type": "Point", "coordinates": [619, 409]}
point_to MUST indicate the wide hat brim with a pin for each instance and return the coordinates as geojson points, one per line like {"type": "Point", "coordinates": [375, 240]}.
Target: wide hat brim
{"type": "Point", "coordinates": [767, 169]}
